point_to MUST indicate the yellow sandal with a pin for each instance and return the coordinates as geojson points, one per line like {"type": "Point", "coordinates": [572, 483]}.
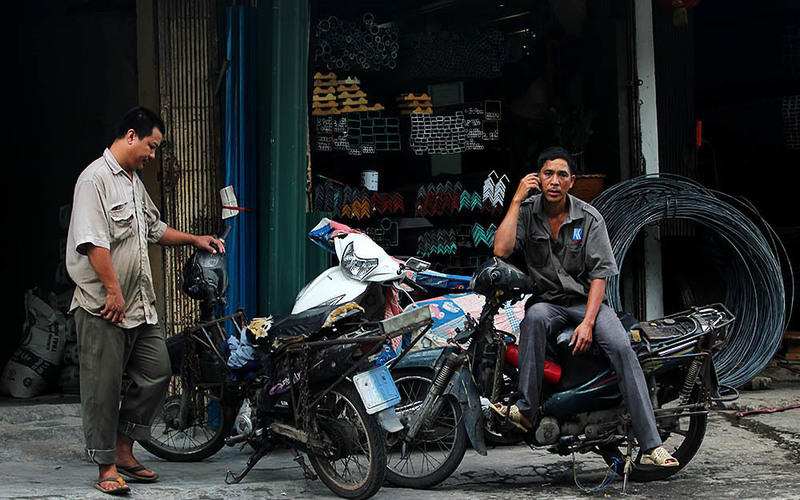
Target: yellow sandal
{"type": "Point", "coordinates": [515, 418]}
{"type": "Point", "coordinates": [660, 457]}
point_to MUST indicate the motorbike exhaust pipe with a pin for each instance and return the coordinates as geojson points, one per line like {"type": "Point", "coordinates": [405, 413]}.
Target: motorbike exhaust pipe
{"type": "Point", "coordinates": [552, 370]}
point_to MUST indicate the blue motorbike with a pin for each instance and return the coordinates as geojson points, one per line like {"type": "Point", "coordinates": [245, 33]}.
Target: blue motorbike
{"type": "Point", "coordinates": [446, 391]}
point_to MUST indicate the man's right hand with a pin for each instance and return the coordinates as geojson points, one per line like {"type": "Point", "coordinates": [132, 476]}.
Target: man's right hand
{"type": "Point", "coordinates": [527, 185]}
{"type": "Point", "coordinates": [114, 310]}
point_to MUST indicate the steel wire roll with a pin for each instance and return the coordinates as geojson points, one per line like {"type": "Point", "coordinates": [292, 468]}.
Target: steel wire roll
{"type": "Point", "coordinates": [759, 289]}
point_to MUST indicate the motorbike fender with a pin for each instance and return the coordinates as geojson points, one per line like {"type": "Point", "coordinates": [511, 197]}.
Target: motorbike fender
{"type": "Point", "coordinates": [426, 358]}
{"type": "Point", "coordinates": [389, 420]}
{"type": "Point", "coordinates": [331, 287]}
{"type": "Point", "coordinates": [465, 392]}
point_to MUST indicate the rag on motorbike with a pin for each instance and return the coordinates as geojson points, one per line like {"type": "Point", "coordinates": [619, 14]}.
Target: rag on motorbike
{"type": "Point", "coordinates": [581, 408]}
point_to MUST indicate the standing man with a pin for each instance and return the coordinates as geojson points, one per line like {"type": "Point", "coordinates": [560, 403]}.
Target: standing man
{"type": "Point", "coordinates": [113, 221]}
{"type": "Point", "coordinates": [568, 253]}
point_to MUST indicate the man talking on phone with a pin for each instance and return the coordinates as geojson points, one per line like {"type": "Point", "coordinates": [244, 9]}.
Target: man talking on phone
{"type": "Point", "coordinates": [567, 251]}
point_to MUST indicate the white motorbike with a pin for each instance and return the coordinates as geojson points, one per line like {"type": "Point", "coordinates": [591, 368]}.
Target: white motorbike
{"type": "Point", "coordinates": [366, 274]}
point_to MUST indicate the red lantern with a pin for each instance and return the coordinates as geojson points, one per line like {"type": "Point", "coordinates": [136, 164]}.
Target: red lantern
{"type": "Point", "coordinates": [680, 10]}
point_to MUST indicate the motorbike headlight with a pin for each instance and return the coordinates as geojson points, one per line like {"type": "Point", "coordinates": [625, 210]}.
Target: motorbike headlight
{"type": "Point", "coordinates": [355, 266]}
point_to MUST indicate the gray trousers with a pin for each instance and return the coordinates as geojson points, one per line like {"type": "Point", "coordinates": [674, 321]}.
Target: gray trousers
{"type": "Point", "coordinates": [543, 321]}
{"type": "Point", "coordinates": [106, 351]}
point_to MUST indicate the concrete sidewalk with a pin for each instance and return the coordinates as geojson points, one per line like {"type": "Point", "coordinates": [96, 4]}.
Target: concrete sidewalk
{"type": "Point", "coordinates": [41, 456]}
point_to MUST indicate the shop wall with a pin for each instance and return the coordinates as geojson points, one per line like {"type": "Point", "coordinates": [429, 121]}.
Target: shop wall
{"type": "Point", "coordinates": [562, 58]}
{"type": "Point", "coordinates": [732, 68]}
{"type": "Point", "coordinates": [71, 66]}
{"type": "Point", "coordinates": [747, 60]}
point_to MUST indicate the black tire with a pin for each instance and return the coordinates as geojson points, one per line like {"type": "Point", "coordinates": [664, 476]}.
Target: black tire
{"type": "Point", "coordinates": [209, 422]}
{"type": "Point", "coordinates": [682, 440]}
{"type": "Point", "coordinates": [437, 451]}
{"type": "Point", "coordinates": [357, 467]}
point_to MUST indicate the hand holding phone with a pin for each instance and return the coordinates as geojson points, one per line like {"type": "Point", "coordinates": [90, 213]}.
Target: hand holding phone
{"type": "Point", "coordinates": [529, 185]}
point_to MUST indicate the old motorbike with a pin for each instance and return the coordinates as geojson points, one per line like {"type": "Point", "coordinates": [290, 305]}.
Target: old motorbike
{"type": "Point", "coordinates": [307, 381]}
{"type": "Point", "coordinates": [581, 409]}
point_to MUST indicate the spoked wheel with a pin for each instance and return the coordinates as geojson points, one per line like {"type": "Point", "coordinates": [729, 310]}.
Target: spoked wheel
{"type": "Point", "coordinates": [190, 426]}
{"type": "Point", "coordinates": [682, 437]}
{"type": "Point", "coordinates": [354, 463]}
{"type": "Point", "coordinates": [438, 448]}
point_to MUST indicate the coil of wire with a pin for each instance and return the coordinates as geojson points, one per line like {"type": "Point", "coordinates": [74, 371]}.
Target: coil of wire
{"type": "Point", "coordinates": [759, 289]}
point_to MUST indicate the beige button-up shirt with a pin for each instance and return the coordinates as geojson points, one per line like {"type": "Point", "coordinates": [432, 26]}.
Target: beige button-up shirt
{"type": "Point", "coordinates": [564, 269]}
{"type": "Point", "coordinates": [113, 211]}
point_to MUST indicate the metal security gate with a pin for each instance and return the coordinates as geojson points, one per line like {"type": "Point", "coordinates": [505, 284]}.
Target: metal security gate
{"type": "Point", "coordinates": [188, 71]}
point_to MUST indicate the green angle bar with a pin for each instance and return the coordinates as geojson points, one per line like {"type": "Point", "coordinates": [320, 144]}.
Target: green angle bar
{"type": "Point", "coordinates": [286, 258]}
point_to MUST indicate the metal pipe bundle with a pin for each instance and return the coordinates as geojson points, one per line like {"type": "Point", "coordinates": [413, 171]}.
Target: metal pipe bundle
{"type": "Point", "coordinates": [347, 46]}
{"type": "Point", "coordinates": [756, 270]}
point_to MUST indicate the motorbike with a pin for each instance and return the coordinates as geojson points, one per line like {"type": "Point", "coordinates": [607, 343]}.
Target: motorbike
{"type": "Point", "coordinates": [446, 406]}
{"type": "Point", "coordinates": [310, 381]}
{"type": "Point", "coordinates": [366, 274]}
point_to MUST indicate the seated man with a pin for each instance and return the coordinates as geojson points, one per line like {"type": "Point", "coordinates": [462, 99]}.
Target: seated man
{"type": "Point", "coordinates": [567, 250]}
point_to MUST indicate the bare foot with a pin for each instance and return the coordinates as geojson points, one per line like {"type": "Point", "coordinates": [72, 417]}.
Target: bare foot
{"type": "Point", "coordinates": [109, 480]}
{"type": "Point", "coordinates": [127, 463]}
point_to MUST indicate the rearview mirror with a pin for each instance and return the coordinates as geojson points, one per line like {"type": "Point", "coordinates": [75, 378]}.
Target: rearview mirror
{"type": "Point", "coordinates": [417, 265]}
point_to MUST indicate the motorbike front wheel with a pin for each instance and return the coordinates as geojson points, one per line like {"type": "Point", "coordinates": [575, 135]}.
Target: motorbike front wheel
{"type": "Point", "coordinates": [437, 450]}
{"type": "Point", "coordinates": [354, 463]}
{"type": "Point", "coordinates": [190, 427]}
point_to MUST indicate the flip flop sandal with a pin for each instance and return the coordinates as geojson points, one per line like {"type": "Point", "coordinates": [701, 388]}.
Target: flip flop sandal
{"type": "Point", "coordinates": [133, 473]}
{"type": "Point", "coordinates": [511, 414]}
{"type": "Point", "coordinates": [122, 489]}
{"type": "Point", "coordinates": [660, 457]}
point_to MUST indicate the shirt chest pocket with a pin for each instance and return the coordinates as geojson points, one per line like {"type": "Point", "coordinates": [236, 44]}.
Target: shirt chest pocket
{"type": "Point", "coordinates": [538, 251]}
{"type": "Point", "coordinates": [574, 257]}
{"type": "Point", "coordinates": [121, 220]}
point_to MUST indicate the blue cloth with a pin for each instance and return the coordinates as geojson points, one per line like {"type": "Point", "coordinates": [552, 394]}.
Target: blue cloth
{"type": "Point", "coordinates": [239, 155]}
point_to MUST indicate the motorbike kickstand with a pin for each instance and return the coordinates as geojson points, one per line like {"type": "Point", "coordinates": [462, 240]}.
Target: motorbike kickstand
{"type": "Point", "coordinates": [231, 478]}
{"type": "Point", "coordinates": [308, 473]}
{"type": "Point", "coordinates": [628, 462]}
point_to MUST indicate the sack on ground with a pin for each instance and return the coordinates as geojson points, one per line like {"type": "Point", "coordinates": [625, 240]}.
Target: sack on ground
{"type": "Point", "coordinates": [34, 365]}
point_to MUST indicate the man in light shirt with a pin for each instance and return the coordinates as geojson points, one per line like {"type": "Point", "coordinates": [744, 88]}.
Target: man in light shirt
{"type": "Point", "coordinates": [113, 222]}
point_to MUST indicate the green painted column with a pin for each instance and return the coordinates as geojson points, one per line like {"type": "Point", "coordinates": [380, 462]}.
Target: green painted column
{"type": "Point", "coordinates": [286, 258]}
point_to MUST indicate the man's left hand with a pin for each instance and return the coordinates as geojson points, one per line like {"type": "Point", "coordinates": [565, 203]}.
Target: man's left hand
{"type": "Point", "coordinates": [581, 339]}
{"type": "Point", "coordinates": [210, 244]}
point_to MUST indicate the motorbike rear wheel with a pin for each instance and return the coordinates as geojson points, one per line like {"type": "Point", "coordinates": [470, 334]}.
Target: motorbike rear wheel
{"type": "Point", "coordinates": [355, 465]}
{"type": "Point", "coordinates": [207, 423]}
{"type": "Point", "coordinates": [437, 450]}
{"type": "Point", "coordinates": [682, 440]}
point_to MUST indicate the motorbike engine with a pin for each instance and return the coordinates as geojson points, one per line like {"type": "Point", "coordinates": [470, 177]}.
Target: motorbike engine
{"type": "Point", "coordinates": [593, 425]}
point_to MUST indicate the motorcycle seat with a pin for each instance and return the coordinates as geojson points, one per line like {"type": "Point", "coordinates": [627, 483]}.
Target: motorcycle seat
{"type": "Point", "coordinates": [292, 328]}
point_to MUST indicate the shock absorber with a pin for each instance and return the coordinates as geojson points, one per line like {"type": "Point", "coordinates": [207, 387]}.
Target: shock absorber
{"type": "Point", "coordinates": [443, 377]}
{"type": "Point", "coordinates": [688, 384]}
{"type": "Point", "coordinates": [432, 400]}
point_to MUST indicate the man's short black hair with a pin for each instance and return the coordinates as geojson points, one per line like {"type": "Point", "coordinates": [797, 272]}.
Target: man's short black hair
{"type": "Point", "coordinates": [142, 120]}
{"type": "Point", "coordinates": [554, 153]}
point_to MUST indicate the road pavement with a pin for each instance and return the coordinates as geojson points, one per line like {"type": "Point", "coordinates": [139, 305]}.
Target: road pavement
{"type": "Point", "coordinates": [755, 456]}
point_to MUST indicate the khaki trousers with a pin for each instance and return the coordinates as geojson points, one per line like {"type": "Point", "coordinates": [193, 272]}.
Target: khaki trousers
{"type": "Point", "coordinates": [106, 352]}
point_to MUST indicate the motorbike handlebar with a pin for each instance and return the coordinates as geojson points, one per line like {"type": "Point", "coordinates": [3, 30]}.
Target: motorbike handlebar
{"type": "Point", "coordinates": [413, 284]}
{"type": "Point", "coordinates": [225, 232]}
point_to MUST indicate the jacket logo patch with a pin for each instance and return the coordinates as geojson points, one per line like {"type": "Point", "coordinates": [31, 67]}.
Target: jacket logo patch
{"type": "Point", "coordinates": [577, 234]}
